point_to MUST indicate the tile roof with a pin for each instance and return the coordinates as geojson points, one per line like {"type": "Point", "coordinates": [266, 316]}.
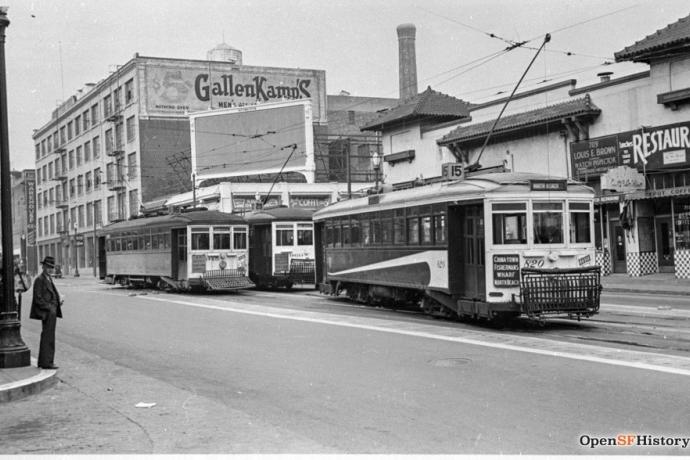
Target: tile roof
{"type": "Point", "coordinates": [427, 104]}
{"type": "Point", "coordinates": [671, 36]}
{"type": "Point", "coordinates": [518, 121]}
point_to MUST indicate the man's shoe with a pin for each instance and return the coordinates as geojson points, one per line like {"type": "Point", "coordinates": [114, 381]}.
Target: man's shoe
{"type": "Point", "coordinates": [49, 367]}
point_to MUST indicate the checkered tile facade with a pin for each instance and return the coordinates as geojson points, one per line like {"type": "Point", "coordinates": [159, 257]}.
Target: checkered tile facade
{"type": "Point", "coordinates": [603, 259]}
{"type": "Point", "coordinates": [682, 261]}
{"type": "Point", "coordinates": [642, 263]}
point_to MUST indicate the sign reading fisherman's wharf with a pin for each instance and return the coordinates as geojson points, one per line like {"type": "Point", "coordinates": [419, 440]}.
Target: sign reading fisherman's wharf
{"type": "Point", "coordinates": [179, 87]}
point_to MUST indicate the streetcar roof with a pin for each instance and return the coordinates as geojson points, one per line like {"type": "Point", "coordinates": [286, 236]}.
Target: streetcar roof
{"type": "Point", "coordinates": [279, 214]}
{"type": "Point", "coordinates": [177, 220]}
{"type": "Point", "coordinates": [473, 188]}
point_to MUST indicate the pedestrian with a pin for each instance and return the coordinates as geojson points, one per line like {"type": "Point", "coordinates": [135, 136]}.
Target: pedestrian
{"type": "Point", "coordinates": [46, 307]}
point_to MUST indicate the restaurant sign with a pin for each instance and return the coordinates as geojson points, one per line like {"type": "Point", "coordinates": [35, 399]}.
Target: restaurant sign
{"type": "Point", "coordinates": [646, 149]}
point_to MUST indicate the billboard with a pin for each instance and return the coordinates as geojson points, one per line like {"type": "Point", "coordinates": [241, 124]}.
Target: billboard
{"type": "Point", "coordinates": [258, 139]}
{"type": "Point", "coordinates": [180, 87]}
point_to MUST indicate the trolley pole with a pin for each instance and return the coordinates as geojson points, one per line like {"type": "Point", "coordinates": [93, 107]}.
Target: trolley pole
{"type": "Point", "coordinates": [13, 351]}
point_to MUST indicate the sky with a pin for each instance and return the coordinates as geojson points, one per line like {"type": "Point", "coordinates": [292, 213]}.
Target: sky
{"type": "Point", "coordinates": [54, 47]}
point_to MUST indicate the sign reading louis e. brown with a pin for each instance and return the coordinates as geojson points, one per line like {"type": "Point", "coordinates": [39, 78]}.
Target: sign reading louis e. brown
{"type": "Point", "coordinates": [193, 86]}
{"type": "Point", "coordinates": [649, 148]}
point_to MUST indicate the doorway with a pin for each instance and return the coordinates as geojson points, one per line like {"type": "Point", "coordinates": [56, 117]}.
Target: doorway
{"type": "Point", "coordinates": [619, 248]}
{"type": "Point", "coordinates": [664, 244]}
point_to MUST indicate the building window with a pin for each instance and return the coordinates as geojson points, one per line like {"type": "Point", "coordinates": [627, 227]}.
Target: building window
{"type": "Point", "coordinates": [129, 91]}
{"type": "Point", "coordinates": [63, 161]}
{"type": "Point", "coordinates": [79, 158]}
{"type": "Point", "coordinates": [89, 214]}
{"type": "Point", "coordinates": [87, 151]}
{"type": "Point", "coordinates": [43, 148]}
{"type": "Point", "coordinates": [38, 151]}
{"type": "Point", "coordinates": [77, 125]}
{"type": "Point", "coordinates": [69, 130]}
{"type": "Point", "coordinates": [133, 202]}
{"type": "Point", "coordinates": [80, 184]}
{"type": "Point", "coordinates": [109, 142]}
{"type": "Point", "coordinates": [97, 178]}
{"type": "Point", "coordinates": [94, 115]}
{"type": "Point", "coordinates": [81, 215]}
{"type": "Point", "coordinates": [40, 226]}
{"type": "Point", "coordinates": [38, 176]}
{"type": "Point", "coordinates": [118, 136]}
{"type": "Point", "coordinates": [62, 135]}
{"type": "Point", "coordinates": [86, 120]}
{"type": "Point", "coordinates": [52, 224]}
{"type": "Point", "coordinates": [71, 188]}
{"type": "Point", "coordinates": [132, 165]}
{"type": "Point", "coordinates": [96, 147]}
{"type": "Point", "coordinates": [97, 211]}
{"type": "Point", "coordinates": [72, 218]}
{"type": "Point", "coordinates": [88, 181]}
{"type": "Point", "coordinates": [107, 107]}
{"type": "Point", "coordinates": [50, 143]}
{"type": "Point", "coordinates": [112, 210]}
{"type": "Point", "coordinates": [131, 129]}
{"type": "Point", "coordinates": [71, 159]}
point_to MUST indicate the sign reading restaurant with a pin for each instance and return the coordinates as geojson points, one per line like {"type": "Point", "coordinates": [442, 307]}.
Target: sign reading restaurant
{"type": "Point", "coordinates": [645, 149]}
{"type": "Point", "coordinates": [182, 87]}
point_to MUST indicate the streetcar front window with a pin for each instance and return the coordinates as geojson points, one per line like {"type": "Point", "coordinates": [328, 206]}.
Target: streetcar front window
{"type": "Point", "coordinates": [200, 239]}
{"type": "Point", "coordinates": [509, 223]}
{"type": "Point", "coordinates": [580, 223]}
{"type": "Point", "coordinates": [548, 222]}
{"type": "Point", "coordinates": [221, 238]}
{"type": "Point", "coordinates": [239, 238]}
{"type": "Point", "coordinates": [305, 235]}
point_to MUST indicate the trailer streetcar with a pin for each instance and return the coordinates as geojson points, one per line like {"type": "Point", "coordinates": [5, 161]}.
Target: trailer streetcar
{"type": "Point", "coordinates": [281, 248]}
{"type": "Point", "coordinates": [490, 246]}
{"type": "Point", "coordinates": [200, 250]}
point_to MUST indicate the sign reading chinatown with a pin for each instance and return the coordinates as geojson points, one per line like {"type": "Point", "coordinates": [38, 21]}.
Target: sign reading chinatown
{"type": "Point", "coordinates": [646, 149]}
{"type": "Point", "coordinates": [189, 86]}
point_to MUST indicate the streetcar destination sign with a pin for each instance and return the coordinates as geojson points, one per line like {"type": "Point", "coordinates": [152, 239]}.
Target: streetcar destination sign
{"type": "Point", "coordinates": [506, 270]}
{"type": "Point", "coordinates": [558, 185]}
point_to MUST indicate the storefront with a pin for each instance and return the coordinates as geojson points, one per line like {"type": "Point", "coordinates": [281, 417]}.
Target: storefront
{"type": "Point", "coordinates": [642, 179]}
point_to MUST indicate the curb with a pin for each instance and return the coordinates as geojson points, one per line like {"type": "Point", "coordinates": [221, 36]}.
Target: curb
{"type": "Point", "coordinates": [22, 388]}
{"type": "Point", "coordinates": [645, 291]}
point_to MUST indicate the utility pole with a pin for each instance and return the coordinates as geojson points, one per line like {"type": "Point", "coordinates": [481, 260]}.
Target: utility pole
{"type": "Point", "coordinates": [13, 351]}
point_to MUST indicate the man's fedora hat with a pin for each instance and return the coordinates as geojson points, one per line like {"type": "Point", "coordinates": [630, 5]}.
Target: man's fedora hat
{"type": "Point", "coordinates": [49, 261]}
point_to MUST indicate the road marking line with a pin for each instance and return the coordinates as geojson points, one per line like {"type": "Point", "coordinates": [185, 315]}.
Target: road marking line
{"type": "Point", "coordinates": [646, 310]}
{"type": "Point", "coordinates": [633, 359]}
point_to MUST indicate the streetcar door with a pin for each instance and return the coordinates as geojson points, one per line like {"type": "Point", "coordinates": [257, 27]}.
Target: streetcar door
{"type": "Point", "coordinates": [102, 262]}
{"type": "Point", "coordinates": [260, 248]}
{"type": "Point", "coordinates": [473, 270]}
{"type": "Point", "coordinates": [178, 254]}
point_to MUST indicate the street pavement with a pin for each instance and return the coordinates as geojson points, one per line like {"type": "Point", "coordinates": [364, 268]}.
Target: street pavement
{"type": "Point", "coordinates": [89, 412]}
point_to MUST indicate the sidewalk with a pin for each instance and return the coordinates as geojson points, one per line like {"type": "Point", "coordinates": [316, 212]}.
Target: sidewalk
{"type": "Point", "coordinates": [16, 383]}
{"type": "Point", "coordinates": [656, 283]}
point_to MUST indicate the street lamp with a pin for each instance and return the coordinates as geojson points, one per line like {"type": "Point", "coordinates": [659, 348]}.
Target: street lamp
{"type": "Point", "coordinates": [376, 161]}
{"type": "Point", "coordinates": [13, 351]}
{"type": "Point", "coordinates": [76, 255]}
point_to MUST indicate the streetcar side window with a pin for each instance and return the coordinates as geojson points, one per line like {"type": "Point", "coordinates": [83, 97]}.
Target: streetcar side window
{"type": "Point", "coordinates": [580, 223]}
{"type": "Point", "coordinates": [200, 239]}
{"type": "Point", "coordinates": [548, 222]}
{"type": "Point", "coordinates": [284, 235]}
{"type": "Point", "coordinates": [387, 227]}
{"type": "Point", "coordinates": [440, 228]}
{"type": "Point", "coordinates": [355, 236]}
{"type": "Point", "coordinates": [336, 234]}
{"type": "Point", "coordinates": [399, 236]}
{"type": "Point", "coordinates": [346, 231]}
{"type": "Point", "coordinates": [239, 238]}
{"type": "Point", "coordinates": [305, 234]}
{"type": "Point", "coordinates": [375, 228]}
{"type": "Point", "coordinates": [509, 223]}
{"type": "Point", "coordinates": [366, 235]}
{"type": "Point", "coordinates": [412, 226]}
{"type": "Point", "coordinates": [221, 238]}
{"type": "Point", "coordinates": [329, 234]}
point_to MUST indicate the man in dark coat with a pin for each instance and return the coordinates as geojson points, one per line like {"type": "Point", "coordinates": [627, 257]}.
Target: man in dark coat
{"type": "Point", "coordinates": [46, 307]}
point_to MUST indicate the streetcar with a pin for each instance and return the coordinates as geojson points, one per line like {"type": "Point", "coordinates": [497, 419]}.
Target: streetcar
{"type": "Point", "coordinates": [195, 250]}
{"type": "Point", "coordinates": [490, 246]}
{"type": "Point", "coordinates": [281, 247]}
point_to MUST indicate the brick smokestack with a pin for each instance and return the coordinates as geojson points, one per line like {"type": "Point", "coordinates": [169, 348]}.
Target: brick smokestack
{"type": "Point", "coordinates": [407, 61]}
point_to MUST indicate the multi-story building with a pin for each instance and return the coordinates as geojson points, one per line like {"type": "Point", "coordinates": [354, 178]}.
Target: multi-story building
{"type": "Point", "coordinates": [24, 218]}
{"type": "Point", "coordinates": [125, 141]}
